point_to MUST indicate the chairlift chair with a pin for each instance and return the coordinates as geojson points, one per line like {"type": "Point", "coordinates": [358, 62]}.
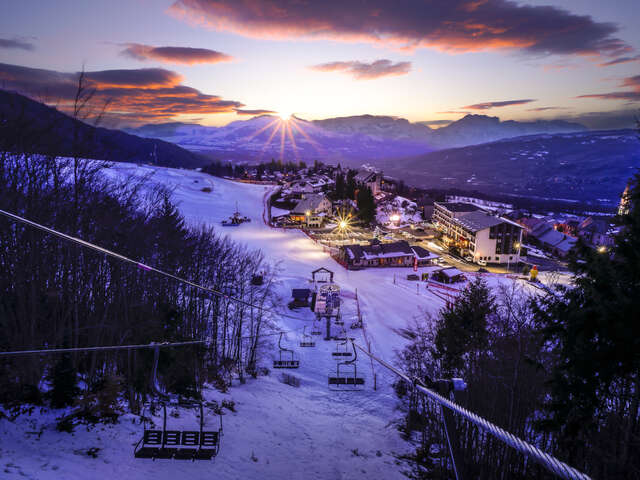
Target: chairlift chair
{"type": "Point", "coordinates": [315, 329]}
{"type": "Point", "coordinates": [347, 378]}
{"type": "Point", "coordinates": [342, 350]}
{"type": "Point", "coordinates": [284, 363]}
{"type": "Point", "coordinates": [176, 444]}
{"type": "Point", "coordinates": [307, 340]}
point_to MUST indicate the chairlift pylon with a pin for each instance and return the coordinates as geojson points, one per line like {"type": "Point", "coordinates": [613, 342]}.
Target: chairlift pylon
{"type": "Point", "coordinates": [307, 340]}
{"type": "Point", "coordinates": [280, 363]}
{"type": "Point", "coordinates": [347, 378]}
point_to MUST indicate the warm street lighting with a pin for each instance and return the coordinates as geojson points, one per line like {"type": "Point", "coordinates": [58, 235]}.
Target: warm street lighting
{"type": "Point", "coordinates": [343, 224]}
{"type": "Point", "coordinates": [307, 213]}
{"type": "Point", "coordinates": [395, 217]}
{"type": "Point", "coordinates": [602, 249]}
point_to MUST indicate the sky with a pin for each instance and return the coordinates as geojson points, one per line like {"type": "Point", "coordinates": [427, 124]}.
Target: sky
{"type": "Point", "coordinates": [213, 62]}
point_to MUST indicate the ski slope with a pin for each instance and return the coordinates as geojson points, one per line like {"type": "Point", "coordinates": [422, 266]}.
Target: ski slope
{"type": "Point", "coordinates": [277, 431]}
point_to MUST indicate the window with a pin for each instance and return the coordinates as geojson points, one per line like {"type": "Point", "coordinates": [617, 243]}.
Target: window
{"type": "Point", "coordinates": [497, 258]}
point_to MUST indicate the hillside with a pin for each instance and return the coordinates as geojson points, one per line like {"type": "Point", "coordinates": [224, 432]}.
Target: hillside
{"type": "Point", "coordinates": [587, 166]}
{"type": "Point", "coordinates": [42, 129]}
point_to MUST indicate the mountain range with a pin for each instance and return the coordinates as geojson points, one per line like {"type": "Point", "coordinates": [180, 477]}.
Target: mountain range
{"type": "Point", "coordinates": [350, 140]}
{"type": "Point", "coordinates": [591, 167]}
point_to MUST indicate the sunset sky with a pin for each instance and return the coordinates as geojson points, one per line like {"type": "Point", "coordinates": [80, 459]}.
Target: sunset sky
{"type": "Point", "coordinates": [213, 62]}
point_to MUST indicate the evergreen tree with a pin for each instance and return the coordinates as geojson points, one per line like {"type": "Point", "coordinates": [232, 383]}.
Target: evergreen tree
{"type": "Point", "coordinates": [462, 330]}
{"type": "Point", "coordinates": [340, 187]}
{"type": "Point", "coordinates": [64, 383]}
{"type": "Point", "coordinates": [593, 331]}
{"type": "Point", "coordinates": [366, 205]}
{"type": "Point", "coordinates": [351, 185]}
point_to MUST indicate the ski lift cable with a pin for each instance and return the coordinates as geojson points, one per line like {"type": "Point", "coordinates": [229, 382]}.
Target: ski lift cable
{"type": "Point", "coordinates": [551, 463]}
{"type": "Point", "coordinates": [127, 347]}
{"type": "Point", "coordinates": [141, 265]}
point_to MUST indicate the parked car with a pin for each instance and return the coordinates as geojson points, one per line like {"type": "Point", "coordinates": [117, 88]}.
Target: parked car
{"type": "Point", "coordinates": [469, 258]}
{"type": "Point", "coordinates": [482, 262]}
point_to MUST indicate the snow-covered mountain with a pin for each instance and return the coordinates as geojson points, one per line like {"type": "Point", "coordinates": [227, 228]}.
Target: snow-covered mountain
{"type": "Point", "coordinates": [358, 138]}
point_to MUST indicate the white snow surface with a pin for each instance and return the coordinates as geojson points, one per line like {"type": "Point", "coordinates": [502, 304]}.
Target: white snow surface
{"type": "Point", "coordinates": [278, 431]}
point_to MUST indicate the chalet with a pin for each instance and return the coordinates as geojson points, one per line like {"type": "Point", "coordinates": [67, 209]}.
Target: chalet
{"type": "Point", "coordinates": [596, 232]}
{"type": "Point", "coordinates": [558, 243]}
{"type": "Point", "coordinates": [300, 297]}
{"type": "Point", "coordinates": [448, 275]}
{"type": "Point", "coordinates": [396, 254]}
{"type": "Point", "coordinates": [311, 210]}
{"type": "Point", "coordinates": [423, 256]}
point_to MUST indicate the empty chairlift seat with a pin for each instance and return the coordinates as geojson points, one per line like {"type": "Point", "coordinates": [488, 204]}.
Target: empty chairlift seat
{"type": "Point", "coordinates": [178, 444]}
{"type": "Point", "coordinates": [281, 362]}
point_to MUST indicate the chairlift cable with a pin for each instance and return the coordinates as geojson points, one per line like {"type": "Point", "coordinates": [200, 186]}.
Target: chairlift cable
{"type": "Point", "coordinates": [126, 347]}
{"type": "Point", "coordinates": [140, 265]}
{"type": "Point", "coordinates": [548, 461]}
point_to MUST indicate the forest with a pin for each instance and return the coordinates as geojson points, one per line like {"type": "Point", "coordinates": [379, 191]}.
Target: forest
{"type": "Point", "coordinates": [59, 295]}
{"type": "Point", "coordinates": [561, 371]}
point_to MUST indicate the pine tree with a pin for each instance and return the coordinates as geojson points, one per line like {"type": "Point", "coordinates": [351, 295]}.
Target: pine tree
{"type": "Point", "coordinates": [593, 331]}
{"type": "Point", "coordinates": [462, 330]}
{"type": "Point", "coordinates": [64, 383]}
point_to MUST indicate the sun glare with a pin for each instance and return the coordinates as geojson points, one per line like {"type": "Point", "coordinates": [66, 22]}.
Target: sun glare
{"type": "Point", "coordinates": [284, 116]}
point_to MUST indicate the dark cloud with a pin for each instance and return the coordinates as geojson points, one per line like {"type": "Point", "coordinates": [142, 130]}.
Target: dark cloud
{"type": "Point", "coordinates": [366, 71]}
{"type": "Point", "coordinates": [504, 103]}
{"type": "Point", "coordinates": [183, 55]}
{"type": "Point", "coordinates": [454, 25]}
{"type": "Point", "coordinates": [153, 94]}
{"type": "Point", "coordinates": [618, 61]}
{"type": "Point", "coordinates": [437, 123]}
{"type": "Point", "coordinates": [615, 119]}
{"type": "Point", "coordinates": [544, 109]}
{"type": "Point", "coordinates": [17, 44]}
{"type": "Point", "coordinates": [241, 111]}
{"type": "Point", "coordinates": [632, 95]}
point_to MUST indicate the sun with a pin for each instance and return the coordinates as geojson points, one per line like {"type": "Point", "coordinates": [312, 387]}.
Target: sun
{"type": "Point", "coordinates": [284, 116]}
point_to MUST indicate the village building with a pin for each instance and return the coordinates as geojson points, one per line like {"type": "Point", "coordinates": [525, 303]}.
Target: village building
{"type": "Point", "coordinates": [370, 179]}
{"type": "Point", "coordinates": [448, 275]}
{"type": "Point", "coordinates": [376, 254]}
{"type": "Point", "coordinates": [596, 232]}
{"type": "Point", "coordinates": [311, 211]}
{"type": "Point", "coordinates": [478, 234]}
{"type": "Point", "coordinates": [558, 243]}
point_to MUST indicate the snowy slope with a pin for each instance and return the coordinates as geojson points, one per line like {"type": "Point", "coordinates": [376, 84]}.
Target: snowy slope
{"type": "Point", "coordinates": [278, 431]}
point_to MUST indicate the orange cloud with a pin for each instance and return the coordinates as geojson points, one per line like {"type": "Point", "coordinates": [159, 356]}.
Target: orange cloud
{"type": "Point", "coordinates": [151, 93]}
{"type": "Point", "coordinates": [366, 71]}
{"type": "Point", "coordinates": [504, 103]}
{"type": "Point", "coordinates": [181, 55]}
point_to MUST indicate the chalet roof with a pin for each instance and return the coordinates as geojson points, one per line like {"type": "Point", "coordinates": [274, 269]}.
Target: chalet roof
{"type": "Point", "coordinates": [451, 272]}
{"type": "Point", "coordinates": [557, 240]}
{"type": "Point", "coordinates": [458, 207]}
{"type": "Point", "coordinates": [423, 254]}
{"type": "Point", "coordinates": [380, 250]}
{"type": "Point", "coordinates": [322, 269]}
{"type": "Point", "coordinates": [364, 176]}
{"type": "Point", "coordinates": [476, 221]}
{"type": "Point", "coordinates": [308, 203]}
{"type": "Point", "coordinates": [300, 293]}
